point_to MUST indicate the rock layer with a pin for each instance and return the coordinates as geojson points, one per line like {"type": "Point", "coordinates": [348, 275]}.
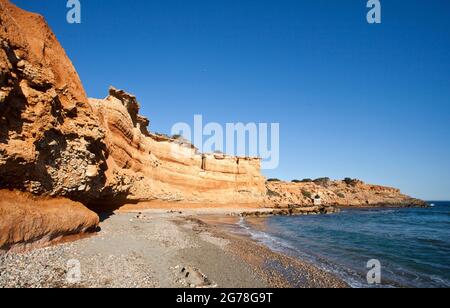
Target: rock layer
{"type": "Point", "coordinates": [146, 166]}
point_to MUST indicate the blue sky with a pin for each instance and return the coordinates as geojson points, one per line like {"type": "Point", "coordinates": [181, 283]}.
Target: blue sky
{"type": "Point", "coordinates": [352, 99]}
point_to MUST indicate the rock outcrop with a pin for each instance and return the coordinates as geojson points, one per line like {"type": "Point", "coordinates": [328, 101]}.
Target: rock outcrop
{"type": "Point", "coordinates": [48, 136]}
{"type": "Point", "coordinates": [325, 193]}
{"type": "Point", "coordinates": [27, 221]}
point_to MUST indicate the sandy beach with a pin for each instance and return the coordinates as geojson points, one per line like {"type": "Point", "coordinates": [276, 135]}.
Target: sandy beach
{"type": "Point", "coordinates": [162, 249]}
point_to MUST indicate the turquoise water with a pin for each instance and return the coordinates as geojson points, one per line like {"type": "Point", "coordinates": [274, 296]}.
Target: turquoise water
{"type": "Point", "coordinates": [412, 245]}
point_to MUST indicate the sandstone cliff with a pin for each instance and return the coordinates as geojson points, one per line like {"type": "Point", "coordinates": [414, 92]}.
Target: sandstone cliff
{"type": "Point", "coordinates": [54, 141]}
{"type": "Point", "coordinates": [48, 136]}
{"type": "Point", "coordinates": [146, 166]}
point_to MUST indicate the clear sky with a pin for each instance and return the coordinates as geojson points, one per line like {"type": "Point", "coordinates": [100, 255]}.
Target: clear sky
{"type": "Point", "coordinates": [352, 99]}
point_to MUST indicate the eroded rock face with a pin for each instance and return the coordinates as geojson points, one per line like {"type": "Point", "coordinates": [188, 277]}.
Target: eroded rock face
{"type": "Point", "coordinates": [146, 166]}
{"type": "Point", "coordinates": [48, 135]}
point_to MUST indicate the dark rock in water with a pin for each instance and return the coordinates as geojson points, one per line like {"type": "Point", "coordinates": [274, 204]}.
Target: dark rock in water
{"type": "Point", "coordinates": [293, 211]}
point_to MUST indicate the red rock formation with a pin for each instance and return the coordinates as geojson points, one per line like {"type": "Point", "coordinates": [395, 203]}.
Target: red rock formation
{"type": "Point", "coordinates": [27, 221]}
{"type": "Point", "coordinates": [48, 136]}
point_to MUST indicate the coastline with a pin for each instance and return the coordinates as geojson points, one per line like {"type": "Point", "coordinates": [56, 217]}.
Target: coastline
{"type": "Point", "coordinates": [276, 268]}
{"type": "Point", "coordinates": [164, 249]}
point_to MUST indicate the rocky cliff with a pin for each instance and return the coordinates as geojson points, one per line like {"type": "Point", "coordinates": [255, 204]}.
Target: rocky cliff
{"type": "Point", "coordinates": [144, 166]}
{"type": "Point", "coordinates": [48, 134]}
{"type": "Point", "coordinates": [54, 141]}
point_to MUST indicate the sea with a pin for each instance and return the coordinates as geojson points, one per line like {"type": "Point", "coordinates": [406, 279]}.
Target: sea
{"type": "Point", "coordinates": [410, 246]}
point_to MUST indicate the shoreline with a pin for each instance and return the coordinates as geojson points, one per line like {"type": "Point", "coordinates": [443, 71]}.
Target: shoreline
{"type": "Point", "coordinates": [279, 269]}
{"type": "Point", "coordinates": [163, 250]}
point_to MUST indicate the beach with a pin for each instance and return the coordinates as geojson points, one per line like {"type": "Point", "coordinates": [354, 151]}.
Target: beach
{"type": "Point", "coordinates": [162, 249]}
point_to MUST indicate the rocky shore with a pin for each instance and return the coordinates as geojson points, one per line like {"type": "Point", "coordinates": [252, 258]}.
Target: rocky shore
{"type": "Point", "coordinates": [292, 210]}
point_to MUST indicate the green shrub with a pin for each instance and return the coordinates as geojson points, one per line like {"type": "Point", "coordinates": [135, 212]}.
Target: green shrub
{"type": "Point", "coordinates": [302, 181]}
{"type": "Point", "coordinates": [341, 195]}
{"type": "Point", "coordinates": [273, 180]}
{"type": "Point", "coordinates": [322, 181]}
{"type": "Point", "coordinates": [306, 194]}
{"type": "Point", "coordinates": [351, 182]}
{"type": "Point", "coordinates": [348, 181]}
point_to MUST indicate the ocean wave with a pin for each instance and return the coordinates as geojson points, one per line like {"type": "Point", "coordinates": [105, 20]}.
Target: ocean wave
{"type": "Point", "coordinates": [408, 242]}
{"type": "Point", "coordinates": [279, 245]}
{"type": "Point", "coordinates": [270, 241]}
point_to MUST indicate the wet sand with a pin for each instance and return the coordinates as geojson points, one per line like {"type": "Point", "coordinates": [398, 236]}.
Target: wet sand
{"type": "Point", "coordinates": [161, 249]}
